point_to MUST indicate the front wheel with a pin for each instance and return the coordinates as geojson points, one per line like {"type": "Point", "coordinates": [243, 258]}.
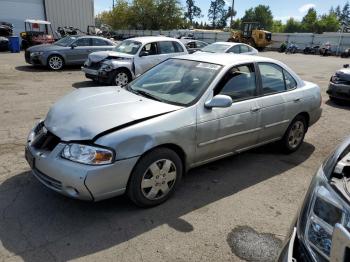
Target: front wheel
{"type": "Point", "coordinates": [55, 62]}
{"type": "Point", "coordinates": [155, 177]}
{"type": "Point", "coordinates": [120, 78]}
{"type": "Point", "coordinates": [294, 136]}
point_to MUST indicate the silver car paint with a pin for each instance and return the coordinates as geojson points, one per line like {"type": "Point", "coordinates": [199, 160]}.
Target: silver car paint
{"type": "Point", "coordinates": [136, 64]}
{"type": "Point", "coordinates": [199, 134]}
{"type": "Point", "coordinates": [77, 55]}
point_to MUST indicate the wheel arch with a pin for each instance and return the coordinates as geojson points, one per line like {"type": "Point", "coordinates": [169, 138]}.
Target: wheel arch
{"type": "Point", "coordinates": [306, 116]}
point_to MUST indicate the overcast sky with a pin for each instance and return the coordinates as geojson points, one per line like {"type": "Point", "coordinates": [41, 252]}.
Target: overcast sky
{"type": "Point", "coordinates": [281, 9]}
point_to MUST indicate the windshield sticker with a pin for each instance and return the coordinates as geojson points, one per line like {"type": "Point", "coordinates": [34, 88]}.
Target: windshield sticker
{"type": "Point", "coordinates": [208, 66]}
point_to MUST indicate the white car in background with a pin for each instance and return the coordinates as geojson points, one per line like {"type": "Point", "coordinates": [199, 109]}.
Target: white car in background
{"type": "Point", "coordinates": [130, 58]}
{"type": "Point", "coordinates": [229, 47]}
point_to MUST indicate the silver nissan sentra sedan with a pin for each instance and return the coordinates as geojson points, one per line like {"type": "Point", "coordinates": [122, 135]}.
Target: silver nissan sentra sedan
{"type": "Point", "coordinates": [96, 143]}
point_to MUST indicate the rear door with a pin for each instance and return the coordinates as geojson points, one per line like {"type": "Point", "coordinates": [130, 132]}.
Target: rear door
{"type": "Point", "coordinates": [143, 63]}
{"type": "Point", "coordinates": [272, 103]}
{"type": "Point", "coordinates": [99, 44]}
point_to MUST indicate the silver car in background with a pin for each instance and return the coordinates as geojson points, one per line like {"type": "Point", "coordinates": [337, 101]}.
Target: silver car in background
{"type": "Point", "coordinates": [130, 58]}
{"type": "Point", "coordinates": [70, 50]}
{"type": "Point", "coordinates": [230, 48]}
{"type": "Point", "coordinates": [96, 143]}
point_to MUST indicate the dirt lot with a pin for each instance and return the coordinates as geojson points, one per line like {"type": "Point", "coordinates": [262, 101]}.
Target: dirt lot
{"type": "Point", "coordinates": [255, 194]}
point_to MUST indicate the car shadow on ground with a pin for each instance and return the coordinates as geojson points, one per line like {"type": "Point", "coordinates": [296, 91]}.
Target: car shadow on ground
{"type": "Point", "coordinates": [88, 83]}
{"type": "Point", "coordinates": [341, 104]}
{"type": "Point", "coordinates": [31, 68]}
{"type": "Point", "coordinates": [40, 225]}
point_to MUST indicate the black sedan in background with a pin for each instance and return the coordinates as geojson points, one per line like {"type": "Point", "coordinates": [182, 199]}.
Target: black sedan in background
{"type": "Point", "coordinates": [339, 86]}
{"type": "Point", "coordinates": [320, 232]}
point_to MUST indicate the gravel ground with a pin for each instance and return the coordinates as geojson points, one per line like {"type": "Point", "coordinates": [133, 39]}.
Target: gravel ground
{"type": "Point", "coordinates": [220, 209]}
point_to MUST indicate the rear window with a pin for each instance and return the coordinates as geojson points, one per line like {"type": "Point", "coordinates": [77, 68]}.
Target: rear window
{"type": "Point", "coordinates": [166, 47]}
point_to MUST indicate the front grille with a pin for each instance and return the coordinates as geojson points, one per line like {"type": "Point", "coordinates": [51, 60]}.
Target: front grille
{"type": "Point", "coordinates": [48, 180]}
{"type": "Point", "coordinates": [45, 140]}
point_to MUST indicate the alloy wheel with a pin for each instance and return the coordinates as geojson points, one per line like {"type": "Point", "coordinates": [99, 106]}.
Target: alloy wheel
{"type": "Point", "coordinates": [158, 179]}
{"type": "Point", "coordinates": [296, 134]}
{"type": "Point", "coordinates": [55, 62]}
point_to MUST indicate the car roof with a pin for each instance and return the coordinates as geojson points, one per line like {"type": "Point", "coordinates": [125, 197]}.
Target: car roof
{"type": "Point", "coordinates": [225, 59]}
{"type": "Point", "coordinates": [147, 39]}
{"type": "Point", "coordinates": [228, 43]}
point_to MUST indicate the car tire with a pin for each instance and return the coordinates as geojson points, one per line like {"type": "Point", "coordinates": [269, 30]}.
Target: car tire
{"type": "Point", "coordinates": [55, 62]}
{"type": "Point", "coordinates": [294, 136]}
{"type": "Point", "coordinates": [120, 77]}
{"type": "Point", "coordinates": [155, 177]}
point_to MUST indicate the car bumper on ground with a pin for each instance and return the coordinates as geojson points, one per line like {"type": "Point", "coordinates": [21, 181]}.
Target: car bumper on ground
{"type": "Point", "coordinates": [339, 91]}
{"type": "Point", "coordinates": [75, 180]}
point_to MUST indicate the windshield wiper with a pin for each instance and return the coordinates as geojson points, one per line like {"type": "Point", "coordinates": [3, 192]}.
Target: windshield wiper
{"type": "Point", "coordinates": [148, 95]}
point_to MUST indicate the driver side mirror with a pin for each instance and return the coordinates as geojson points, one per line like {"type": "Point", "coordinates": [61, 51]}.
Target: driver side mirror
{"type": "Point", "coordinates": [219, 101]}
{"type": "Point", "coordinates": [144, 53]}
{"type": "Point", "coordinates": [73, 46]}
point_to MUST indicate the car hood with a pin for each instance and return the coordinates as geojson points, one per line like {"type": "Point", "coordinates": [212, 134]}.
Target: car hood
{"type": "Point", "coordinates": [86, 113]}
{"type": "Point", "coordinates": [101, 55]}
{"type": "Point", "coordinates": [344, 74]}
{"type": "Point", "coordinates": [45, 48]}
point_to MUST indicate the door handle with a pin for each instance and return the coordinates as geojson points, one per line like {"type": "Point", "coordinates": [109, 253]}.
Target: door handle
{"type": "Point", "coordinates": [255, 109]}
{"type": "Point", "coordinates": [296, 100]}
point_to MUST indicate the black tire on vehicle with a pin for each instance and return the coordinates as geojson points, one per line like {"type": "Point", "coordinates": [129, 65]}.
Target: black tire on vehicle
{"type": "Point", "coordinates": [155, 177]}
{"type": "Point", "coordinates": [55, 62]}
{"type": "Point", "coordinates": [294, 136]}
{"type": "Point", "coordinates": [120, 77]}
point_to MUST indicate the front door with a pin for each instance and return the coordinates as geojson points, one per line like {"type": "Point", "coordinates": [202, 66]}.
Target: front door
{"type": "Point", "coordinates": [222, 131]}
{"type": "Point", "coordinates": [80, 52]}
{"type": "Point", "coordinates": [147, 58]}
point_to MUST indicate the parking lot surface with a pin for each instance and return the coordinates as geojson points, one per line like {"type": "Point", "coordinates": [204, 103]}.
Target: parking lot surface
{"type": "Point", "coordinates": [238, 208]}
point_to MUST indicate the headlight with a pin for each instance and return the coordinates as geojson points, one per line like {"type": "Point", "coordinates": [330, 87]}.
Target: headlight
{"type": "Point", "coordinates": [89, 155]}
{"type": "Point", "coordinates": [36, 53]}
{"type": "Point", "coordinates": [323, 208]}
{"type": "Point", "coordinates": [106, 67]}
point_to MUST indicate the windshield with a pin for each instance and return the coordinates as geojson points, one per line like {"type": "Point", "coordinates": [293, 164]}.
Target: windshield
{"type": "Point", "coordinates": [176, 81]}
{"type": "Point", "coordinates": [65, 41]}
{"type": "Point", "coordinates": [215, 48]}
{"type": "Point", "coordinates": [128, 47]}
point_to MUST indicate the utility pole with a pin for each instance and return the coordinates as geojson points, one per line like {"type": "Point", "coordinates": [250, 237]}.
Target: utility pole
{"type": "Point", "coordinates": [232, 10]}
{"type": "Point", "coordinates": [113, 3]}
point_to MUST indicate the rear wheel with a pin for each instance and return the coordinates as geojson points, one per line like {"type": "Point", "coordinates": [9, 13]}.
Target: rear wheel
{"type": "Point", "coordinates": [55, 62]}
{"type": "Point", "coordinates": [294, 136]}
{"type": "Point", "coordinates": [155, 177]}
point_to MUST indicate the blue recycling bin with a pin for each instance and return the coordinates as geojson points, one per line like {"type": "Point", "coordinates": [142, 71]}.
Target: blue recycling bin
{"type": "Point", "coordinates": [14, 44]}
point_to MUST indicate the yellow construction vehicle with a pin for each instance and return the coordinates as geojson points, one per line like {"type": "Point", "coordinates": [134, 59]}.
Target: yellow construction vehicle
{"type": "Point", "coordinates": [252, 34]}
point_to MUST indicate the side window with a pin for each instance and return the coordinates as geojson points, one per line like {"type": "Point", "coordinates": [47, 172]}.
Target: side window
{"type": "Point", "coordinates": [234, 49]}
{"type": "Point", "coordinates": [244, 49]}
{"type": "Point", "coordinates": [178, 47]}
{"type": "Point", "coordinates": [238, 83]}
{"type": "Point", "coordinates": [191, 45]}
{"type": "Point", "coordinates": [201, 44]}
{"type": "Point", "coordinates": [151, 48]}
{"type": "Point", "coordinates": [166, 47]}
{"type": "Point", "coordinates": [83, 42]}
{"type": "Point", "coordinates": [290, 81]}
{"type": "Point", "coordinates": [272, 78]}
{"type": "Point", "coordinates": [99, 42]}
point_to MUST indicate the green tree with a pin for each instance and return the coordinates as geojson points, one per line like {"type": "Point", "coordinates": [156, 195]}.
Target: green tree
{"type": "Point", "coordinates": [168, 15]}
{"type": "Point", "coordinates": [261, 14]}
{"type": "Point", "coordinates": [192, 11]}
{"type": "Point", "coordinates": [292, 26]}
{"type": "Point", "coordinates": [217, 12]}
{"type": "Point", "coordinates": [118, 18]}
{"type": "Point", "coordinates": [278, 26]}
{"type": "Point", "coordinates": [345, 14]}
{"type": "Point", "coordinates": [328, 23]}
{"type": "Point", "coordinates": [309, 22]}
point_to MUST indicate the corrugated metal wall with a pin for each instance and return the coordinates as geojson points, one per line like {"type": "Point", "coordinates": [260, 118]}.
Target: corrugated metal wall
{"type": "Point", "coordinates": [16, 11]}
{"type": "Point", "coordinates": [76, 13]}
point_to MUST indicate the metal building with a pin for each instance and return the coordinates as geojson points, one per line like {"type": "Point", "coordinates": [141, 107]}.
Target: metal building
{"type": "Point", "coordinates": [77, 13]}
